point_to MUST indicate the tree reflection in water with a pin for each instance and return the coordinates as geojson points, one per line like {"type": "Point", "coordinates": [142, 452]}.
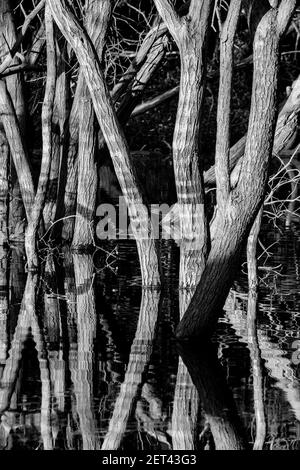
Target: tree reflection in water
{"type": "Point", "coordinates": [78, 372]}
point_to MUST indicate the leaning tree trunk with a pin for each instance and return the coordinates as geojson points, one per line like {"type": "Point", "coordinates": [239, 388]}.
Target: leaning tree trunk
{"type": "Point", "coordinates": [232, 223]}
{"type": "Point", "coordinates": [147, 60]}
{"type": "Point", "coordinates": [115, 139]}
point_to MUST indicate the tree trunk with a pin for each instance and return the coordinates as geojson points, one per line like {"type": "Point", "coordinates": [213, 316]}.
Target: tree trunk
{"type": "Point", "coordinates": [87, 166]}
{"type": "Point", "coordinates": [116, 142]}
{"type": "Point", "coordinates": [60, 115]}
{"type": "Point", "coordinates": [4, 159]}
{"type": "Point", "coordinates": [47, 116]}
{"type": "Point", "coordinates": [16, 214]}
{"type": "Point", "coordinates": [232, 224]}
{"type": "Point", "coordinates": [190, 34]}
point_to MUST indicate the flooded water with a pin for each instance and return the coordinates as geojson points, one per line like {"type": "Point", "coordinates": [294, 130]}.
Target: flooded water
{"type": "Point", "coordinates": [89, 361]}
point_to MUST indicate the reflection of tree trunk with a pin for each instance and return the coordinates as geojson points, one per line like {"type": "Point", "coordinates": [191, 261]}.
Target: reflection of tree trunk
{"type": "Point", "coordinates": [28, 320]}
{"type": "Point", "coordinates": [3, 305]}
{"type": "Point", "coordinates": [150, 415]}
{"type": "Point", "coordinates": [86, 334]}
{"type": "Point", "coordinates": [186, 398]}
{"type": "Point", "coordinates": [12, 364]}
{"type": "Point", "coordinates": [30, 306]}
{"type": "Point", "coordinates": [278, 366]}
{"type": "Point", "coordinates": [52, 322]}
{"type": "Point", "coordinates": [139, 358]}
{"type": "Point", "coordinates": [252, 335]}
{"type": "Point", "coordinates": [215, 397]}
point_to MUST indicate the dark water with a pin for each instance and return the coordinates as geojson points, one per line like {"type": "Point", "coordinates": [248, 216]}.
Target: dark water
{"type": "Point", "coordinates": [88, 361]}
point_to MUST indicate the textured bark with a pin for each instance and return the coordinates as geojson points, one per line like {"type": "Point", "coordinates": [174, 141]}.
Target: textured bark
{"type": "Point", "coordinates": [222, 167]}
{"type": "Point", "coordinates": [70, 185]}
{"type": "Point", "coordinates": [231, 225]}
{"type": "Point", "coordinates": [87, 167]}
{"type": "Point", "coordinates": [4, 160]}
{"type": "Point", "coordinates": [116, 142]}
{"type": "Point", "coordinates": [190, 34]}
{"type": "Point", "coordinates": [17, 149]}
{"type": "Point", "coordinates": [47, 115]}
{"type": "Point", "coordinates": [15, 90]}
{"type": "Point", "coordinates": [216, 399]}
{"type": "Point", "coordinates": [135, 79]}
{"type": "Point", "coordinates": [60, 116]}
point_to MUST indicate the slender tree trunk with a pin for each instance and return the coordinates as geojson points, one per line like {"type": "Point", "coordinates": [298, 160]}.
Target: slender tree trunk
{"type": "Point", "coordinates": [4, 160]}
{"type": "Point", "coordinates": [60, 115]}
{"type": "Point", "coordinates": [190, 34]}
{"type": "Point", "coordinates": [47, 116]}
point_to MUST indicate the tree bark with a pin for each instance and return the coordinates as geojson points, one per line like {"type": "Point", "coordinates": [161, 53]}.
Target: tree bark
{"type": "Point", "coordinates": [230, 226]}
{"type": "Point", "coordinates": [47, 116]}
{"type": "Point", "coordinates": [87, 166]}
{"type": "Point", "coordinates": [190, 34]}
{"type": "Point", "coordinates": [14, 218]}
{"type": "Point", "coordinates": [116, 142]}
